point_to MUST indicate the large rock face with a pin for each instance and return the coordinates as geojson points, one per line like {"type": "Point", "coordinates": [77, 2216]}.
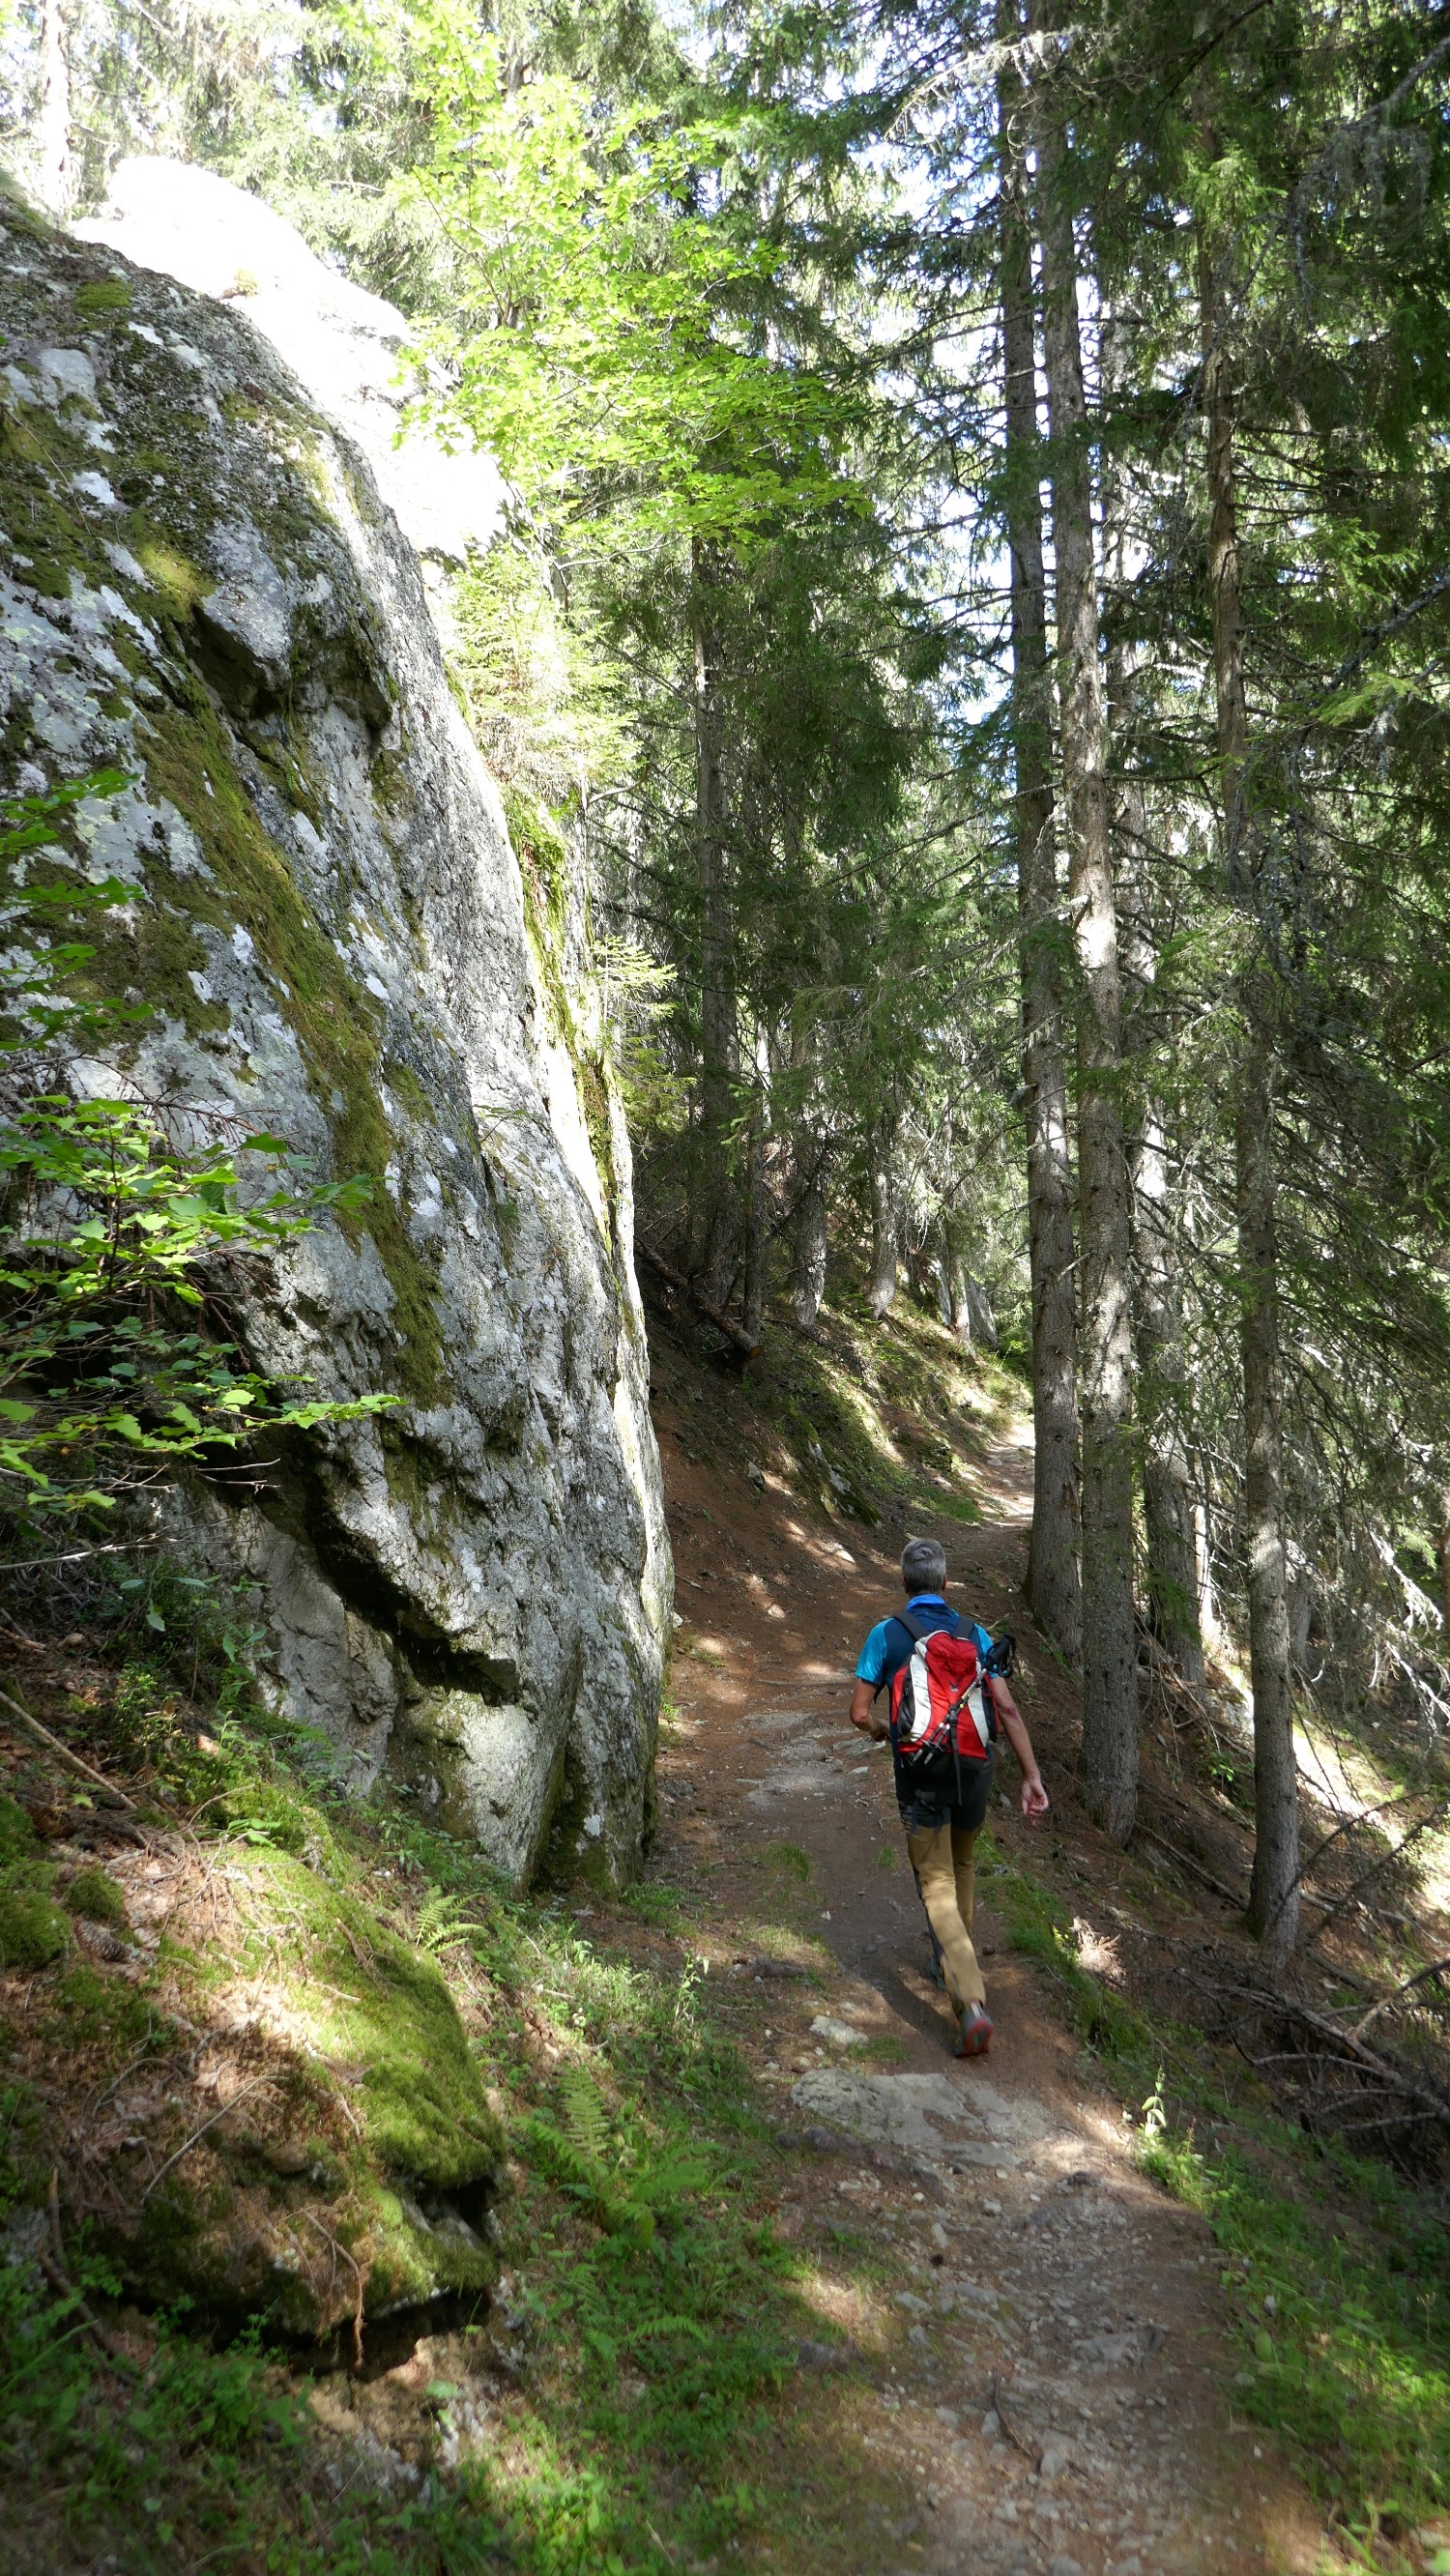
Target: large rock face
{"type": "Point", "coordinates": [337, 944]}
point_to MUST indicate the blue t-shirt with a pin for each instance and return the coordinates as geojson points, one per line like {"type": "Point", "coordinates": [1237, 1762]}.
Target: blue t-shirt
{"type": "Point", "coordinates": [889, 1645]}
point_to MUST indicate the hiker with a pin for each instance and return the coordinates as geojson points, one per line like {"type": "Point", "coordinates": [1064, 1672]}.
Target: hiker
{"type": "Point", "coordinates": [945, 1704]}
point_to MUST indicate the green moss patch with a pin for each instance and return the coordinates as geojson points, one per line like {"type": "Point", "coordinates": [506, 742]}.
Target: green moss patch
{"type": "Point", "coordinates": [33, 1931]}
{"type": "Point", "coordinates": [362, 1996]}
{"type": "Point", "coordinates": [102, 295]}
{"type": "Point", "coordinates": [94, 1894]}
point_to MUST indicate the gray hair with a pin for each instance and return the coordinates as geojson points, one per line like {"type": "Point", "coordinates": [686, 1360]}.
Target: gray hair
{"type": "Point", "coordinates": [923, 1565]}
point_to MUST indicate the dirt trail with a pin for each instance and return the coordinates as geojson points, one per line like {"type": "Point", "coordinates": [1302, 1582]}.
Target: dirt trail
{"type": "Point", "coordinates": [1012, 2234]}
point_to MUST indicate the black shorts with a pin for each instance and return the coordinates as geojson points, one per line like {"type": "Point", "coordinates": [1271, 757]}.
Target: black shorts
{"type": "Point", "coordinates": [954, 1793]}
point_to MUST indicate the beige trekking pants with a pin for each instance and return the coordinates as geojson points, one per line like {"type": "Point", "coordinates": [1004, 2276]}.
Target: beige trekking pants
{"type": "Point", "coordinates": [944, 1866]}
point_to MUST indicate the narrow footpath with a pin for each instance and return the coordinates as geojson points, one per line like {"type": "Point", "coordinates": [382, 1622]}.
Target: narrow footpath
{"type": "Point", "coordinates": [1046, 2353]}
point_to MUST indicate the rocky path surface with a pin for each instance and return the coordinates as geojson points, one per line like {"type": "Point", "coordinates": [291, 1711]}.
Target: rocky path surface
{"type": "Point", "coordinates": [1045, 2335]}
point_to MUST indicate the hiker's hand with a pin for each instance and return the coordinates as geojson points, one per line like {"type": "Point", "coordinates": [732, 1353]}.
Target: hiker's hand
{"type": "Point", "coordinates": [1035, 1800]}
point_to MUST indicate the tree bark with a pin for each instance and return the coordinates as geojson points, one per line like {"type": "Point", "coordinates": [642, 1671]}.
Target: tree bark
{"type": "Point", "coordinates": [1161, 1380]}
{"type": "Point", "coordinates": [752, 1306]}
{"type": "Point", "coordinates": [718, 1038]}
{"type": "Point", "coordinates": [954, 1284]}
{"type": "Point", "coordinates": [808, 1286]}
{"type": "Point", "coordinates": [1168, 1522]}
{"type": "Point", "coordinates": [1105, 1373]}
{"type": "Point", "coordinates": [1053, 1586]}
{"type": "Point", "coordinates": [55, 175]}
{"type": "Point", "coordinates": [1273, 1893]}
{"type": "Point", "coordinates": [885, 1218]}
{"type": "Point", "coordinates": [809, 1237]}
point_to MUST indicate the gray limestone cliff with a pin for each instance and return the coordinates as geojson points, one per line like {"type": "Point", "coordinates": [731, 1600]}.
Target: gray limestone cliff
{"type": "Point", "coordinates": [336, 942]}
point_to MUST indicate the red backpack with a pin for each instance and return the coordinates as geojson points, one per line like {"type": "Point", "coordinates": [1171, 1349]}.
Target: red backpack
{"type": "Point", "coordinates": [941, 1702]}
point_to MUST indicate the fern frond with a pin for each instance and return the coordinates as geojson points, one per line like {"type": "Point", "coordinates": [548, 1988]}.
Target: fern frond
{"type": "Point", "coordinates": [585, 2117]}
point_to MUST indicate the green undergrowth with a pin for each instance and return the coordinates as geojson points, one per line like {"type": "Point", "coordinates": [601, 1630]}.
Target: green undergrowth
{"type": "Point", "coordinates": [211, 2459]}
{"type": "Point", "coordinates": [1338, 2293]}
{"type": "Point", "coordinates": [874, 1411]}
{"type": "Point", "coordinates": [860, 1416]}
{"type": "Point", "coordinates": [1336, 2270]}
{"type": "Point", "coordinates": [655, 2315]}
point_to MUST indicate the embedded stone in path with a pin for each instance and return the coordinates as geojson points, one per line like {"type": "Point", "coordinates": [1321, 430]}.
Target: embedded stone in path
{"type": "Point", "coordinates": [923, 2113]}
{"type": "Point", "coordinates": [839, 2033]}
{"type": "Point", "coordinates": [889, 2110]}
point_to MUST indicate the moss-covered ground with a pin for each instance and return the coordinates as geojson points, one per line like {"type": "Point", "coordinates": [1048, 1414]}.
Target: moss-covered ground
{"type": "Point", "coordinates": [617, 2404]}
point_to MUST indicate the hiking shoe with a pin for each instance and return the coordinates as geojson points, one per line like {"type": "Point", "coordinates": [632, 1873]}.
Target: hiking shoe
{"type": "Point", "coordinates": [936, 1972]}
{"type": "Point", "coordinates": [975, 2035]}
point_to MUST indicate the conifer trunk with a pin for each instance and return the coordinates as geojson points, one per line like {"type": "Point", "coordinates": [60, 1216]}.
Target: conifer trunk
{"type": "Point", "coordinates": [809, 1235]}
{"type": "Point", "coordinates": [1105, 1376]}
{"type": "Point", "coordinates": [1053, 1585]}
{"type": "Point", "coordinates": [55, 181]}
{"type": "Point", "coordinates": [808, 1282]}
{"type": "Point", "coordinates": [1160, 1373]}
{"type": "Point", "coordinates": [752, 1301]}
{"type": "Point", "coordinates": [1273, 1892]}
{"type": "Point", "coordinates": [1168, 1521]}
{"type": "Point", "coordinates": [955, 1286]}
{"type": "Point", "coordinates": [885, 1217]}
{"type": "Point", "coordinates": [718, 1047]}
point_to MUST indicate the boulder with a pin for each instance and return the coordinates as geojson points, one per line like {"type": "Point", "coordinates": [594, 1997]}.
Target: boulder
{"type": "Point", "coordinates": [207, 585]}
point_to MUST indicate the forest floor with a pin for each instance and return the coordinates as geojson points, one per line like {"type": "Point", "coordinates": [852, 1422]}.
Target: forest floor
{"type": "Point", "coordinates": [784, 2287]}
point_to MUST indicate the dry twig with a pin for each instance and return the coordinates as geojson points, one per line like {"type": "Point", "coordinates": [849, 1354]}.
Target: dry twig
{"type": "Point", "coordinates": [197, 2135]}
{"type": "Point", "coordinates": [1386, 2002]}
{"type": "Point", "coordinates": [63, 1752]}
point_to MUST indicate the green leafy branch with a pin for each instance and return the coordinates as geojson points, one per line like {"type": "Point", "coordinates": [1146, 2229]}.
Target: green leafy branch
{"type": "Point", "coordinates": [122, 1250]}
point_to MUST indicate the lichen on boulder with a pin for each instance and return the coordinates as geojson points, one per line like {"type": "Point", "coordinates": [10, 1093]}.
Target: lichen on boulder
{"type": "Point", "coordinates": [326, 931]}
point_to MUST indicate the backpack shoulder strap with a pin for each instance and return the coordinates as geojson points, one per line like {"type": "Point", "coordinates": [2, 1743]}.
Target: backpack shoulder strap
{"type": "Point", "coordinates": [916, 1629]}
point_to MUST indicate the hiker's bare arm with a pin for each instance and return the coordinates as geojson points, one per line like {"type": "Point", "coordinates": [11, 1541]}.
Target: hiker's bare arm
{"type": "Point", "coordinates": [864, 1713]}
{"type": "Point", "coordinates": [1035, 1800]}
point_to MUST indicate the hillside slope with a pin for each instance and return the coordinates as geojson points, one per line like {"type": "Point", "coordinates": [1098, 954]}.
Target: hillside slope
{"type": "Point", "coordinates": [780, 2285]}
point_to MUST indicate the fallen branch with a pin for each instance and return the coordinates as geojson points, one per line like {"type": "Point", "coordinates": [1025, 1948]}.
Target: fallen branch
{"type": "Point", "coordinates": [734, 1333]}
{"type": "Point", "coordinates": [1196, 1870]}
{"type": "Point", "coordinates": [1420, 1978]}
{"type": "Point", "coordinates": [1347, 2048]}
{"type": "Point", "coordinates": [64, 1754]}
{"type": "Point", "coordinates": [42, 1564]}
{"type": "Point", "coordinates": [1384, 1861]}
